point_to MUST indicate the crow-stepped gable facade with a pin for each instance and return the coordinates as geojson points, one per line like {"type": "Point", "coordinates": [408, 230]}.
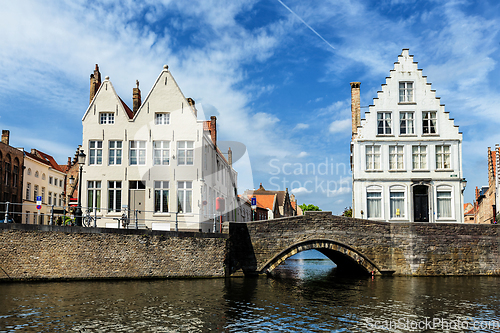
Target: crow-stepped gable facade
{"type": "Point", "coordinates": [157, 163]}
{"type": "Point", "coordinates": [406, 153]}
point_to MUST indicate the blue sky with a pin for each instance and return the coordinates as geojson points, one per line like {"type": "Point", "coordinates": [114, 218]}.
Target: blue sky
{"type": "Point", "coordinates": [276, 78]}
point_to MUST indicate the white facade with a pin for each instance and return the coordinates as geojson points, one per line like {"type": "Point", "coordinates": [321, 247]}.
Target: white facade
{"type": "Point", "coordinates": [406, 153]}
{"type": "Point", "coordinates": [159, 162]}
{"type": "Point", "coordinates": [41, 179]}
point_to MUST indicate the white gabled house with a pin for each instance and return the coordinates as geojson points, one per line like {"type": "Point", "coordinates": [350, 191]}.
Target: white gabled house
{"type": "Point", "coordinates": [157, 162]}
{"type": "Point", "coordinates": [407, 153]}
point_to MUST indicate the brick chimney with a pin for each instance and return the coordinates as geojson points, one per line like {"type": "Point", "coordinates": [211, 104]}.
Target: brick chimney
{"type": "Point", "coordinates": [136, 97]}
{"type": "Point", "coordinates": [5, 136]}
{"type": "Point", "coordinates": [95, 82]}
{"type": "Point", "coordinates": [355, 107]}
{"type": "Point", "coordinates": [213, 129]}
{"type": "Point", "coordinates": [230, 157]}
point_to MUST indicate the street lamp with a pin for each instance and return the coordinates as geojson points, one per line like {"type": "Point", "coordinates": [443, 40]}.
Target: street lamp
{"type": "Point", "coordinates": [78, 211]}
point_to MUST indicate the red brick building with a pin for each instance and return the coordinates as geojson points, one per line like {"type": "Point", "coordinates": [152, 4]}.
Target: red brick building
{"type": "Point", "coordinates": [11, 179]}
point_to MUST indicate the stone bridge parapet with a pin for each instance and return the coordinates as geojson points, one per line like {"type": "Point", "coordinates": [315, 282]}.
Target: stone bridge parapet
{"type": "Point", "coordinates": [367, 246]}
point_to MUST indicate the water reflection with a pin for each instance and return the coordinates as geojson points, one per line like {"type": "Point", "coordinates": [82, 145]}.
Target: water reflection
{"type": "Point", "coordinates": [313, 299]}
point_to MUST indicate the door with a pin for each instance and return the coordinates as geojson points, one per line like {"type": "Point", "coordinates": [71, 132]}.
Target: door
{"type": "Point", "coordinates": [420, 203]}
{"type": "Point", "coordinates": [137, 198]}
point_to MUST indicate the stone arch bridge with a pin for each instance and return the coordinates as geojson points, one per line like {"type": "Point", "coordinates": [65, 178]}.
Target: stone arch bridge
{"type": "Point", "coordinates": [364, 246]}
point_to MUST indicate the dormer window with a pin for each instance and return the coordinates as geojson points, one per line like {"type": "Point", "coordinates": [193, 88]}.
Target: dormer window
{"type": "Point", "coordinates": [429, 122]}
{"type": "Point", "coordinates": [406, 92]}
{"type": "Point", "coordinates": [106, 118]}
{"type": "Point", "coordinates": [162, 118]}
{"type": "Point", "coordinates": [384, 123]}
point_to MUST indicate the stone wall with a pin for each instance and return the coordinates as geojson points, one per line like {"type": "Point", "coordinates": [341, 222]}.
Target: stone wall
{"type": "Point", "coordinates": [53, 252]}
{"type": "Point", "coordinates": [402, 248]}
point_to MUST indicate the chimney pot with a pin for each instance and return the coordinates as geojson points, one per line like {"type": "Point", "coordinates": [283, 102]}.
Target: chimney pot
{"type": "Point", "coordinates": [355, 107]}
{"type": "Point", "coordinates": [136, 97]}
{"type": "Point", "coordinates": [5, 136]}
{"type": "Point", "coordinates": [213, 129]}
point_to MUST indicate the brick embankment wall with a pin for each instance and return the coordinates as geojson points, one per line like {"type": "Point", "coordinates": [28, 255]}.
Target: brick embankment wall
{"type": "Point", "coordinates": [31, 252]}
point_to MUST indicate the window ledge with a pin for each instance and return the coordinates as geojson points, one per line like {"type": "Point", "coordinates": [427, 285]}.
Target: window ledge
{"type": "Point", "coordinates": [418, 170]}
{"type": "Point", "coordinates": [161, 214]}
{"type": "Point", "coordinates": [430, 134]}
{"type": "Point", "coordinates": [374, 170]}
{"type": "Point", "coordinates": [444, 170]}
{"type": "Point", "coordinates": [407, 103]}
{"type": "Point", "coordinates": [398, 170]}
{"type": "Point", "coordinates": [408, 135]}
{"type": "Point", "coordinates": [385, 135]}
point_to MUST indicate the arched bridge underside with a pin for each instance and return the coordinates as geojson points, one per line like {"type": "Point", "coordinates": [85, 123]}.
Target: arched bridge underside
{"type": "Point", "coordinates": [364, 246]}
{"type": "Point", "coordinates": [347, 259]}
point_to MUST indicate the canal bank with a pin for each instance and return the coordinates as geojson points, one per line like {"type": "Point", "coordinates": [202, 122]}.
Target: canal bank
{"type": "Point", "coordinates": [42, 252]}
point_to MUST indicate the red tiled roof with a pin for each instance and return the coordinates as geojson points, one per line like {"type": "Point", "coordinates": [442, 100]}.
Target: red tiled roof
{"type": "Point", "coordinates": [264, 201]}
{"type": "Point", "coordinates": [51, 160]}
{"type": "Point", "coordinates": [39, 159]}
{"type": "Point", "coordinates": [129, 112]}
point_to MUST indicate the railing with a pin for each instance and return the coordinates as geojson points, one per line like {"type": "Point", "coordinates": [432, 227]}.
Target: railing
{"type": "Point", "coordinates": [64, 216]}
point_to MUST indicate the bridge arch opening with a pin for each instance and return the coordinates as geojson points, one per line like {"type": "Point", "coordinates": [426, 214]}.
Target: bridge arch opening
{"type": "Point", "coordinates": [348, 260]}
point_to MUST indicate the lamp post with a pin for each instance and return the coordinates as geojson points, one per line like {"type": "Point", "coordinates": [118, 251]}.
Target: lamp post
{"type": "Point", "coordinates": [78, 211]}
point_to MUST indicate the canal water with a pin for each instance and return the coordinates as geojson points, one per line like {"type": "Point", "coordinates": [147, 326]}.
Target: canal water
{"type": "Point", "coordinates": [304, 295]}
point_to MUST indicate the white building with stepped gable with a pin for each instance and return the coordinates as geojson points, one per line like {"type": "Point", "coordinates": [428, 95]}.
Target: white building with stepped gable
{"type": "Point", "coordinates": [406, 154]}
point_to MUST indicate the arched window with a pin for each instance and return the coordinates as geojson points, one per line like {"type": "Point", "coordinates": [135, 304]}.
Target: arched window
{"type": "Point", "coordinates": [15, 173]}
{"type": "Point", "coordinates": [43, 176]}
{"type": "Point", "coordinates": [29, 171]}
{"type": "Point", "coordinates": [37, 174]}
{"type": "Point", "coordinates": [7, 172]}
{"type": "Point", "coordinates": [374, 202]}
{"type": "Point", "coordinates": [444, 202]}
{"type": "Point", "coordinates": [397, 194]}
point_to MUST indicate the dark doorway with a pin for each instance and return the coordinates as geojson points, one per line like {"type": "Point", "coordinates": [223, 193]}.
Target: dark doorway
{"type": "Point", "coordinates": [421, 203]}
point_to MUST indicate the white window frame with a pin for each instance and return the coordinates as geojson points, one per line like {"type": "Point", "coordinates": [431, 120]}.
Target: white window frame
{"type": "Point", "coordinates": [451, 199]}
{"type": "Point", "coordinates": [184, 191]}
{"type": "Point", "coordinates": [429, 123]}
{"type": "Point", "coordinates": [371, 156]}
{"type": "Point", "coordinates": [50, 199]}
{"type": "Point", "coordinates": [372, 190]}
{"type": "Point", "coordinates": [28, 191]}
{"type": "Point", "coordinates": [397, 189]}
{"type": "Point", "coordinates": [114, 196]}
{"type": "Point", "coordinates": [161, 152]}
{"type": "Point", "coordinates": [137, 152]}
{"type": "Point", "coordinates": [106, 118]}
{"type": "Point", "coordinates": [419, 154]}
{"type": "Point", "coordinates": [406, 92]}
{"type": "Point", "coordinates": [396, 158]}
{"type": "Point", "coordinates": [43, 195]}
{"type": "Point", "coordinates": [161, 204]}
{"type": "Point", "coordinates": [114, 151]}
{"type": "Point", "coordinates": [51, 180]}
{"type": "Point", "coordinates": [94, 187]}
{"type": "Point", "coordinates": [409, 122]}
{"type": "Point", "coordinates": [441, 155]}
{"type": "Point", "coordinates": [35, 192]}
{"type": "Point", "coordinates": [95, 152]}
{"type": "Point", "coordinates": [162, 118]}
{"type": "Point", "coordinates": [384, 122]}
{"type": "Point", "coordinates": [185, 152]}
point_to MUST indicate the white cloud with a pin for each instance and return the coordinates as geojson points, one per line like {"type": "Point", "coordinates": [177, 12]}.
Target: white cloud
{"type": "Point", "coordinates": [301, 126]}
{"type": "Point", "coordinates": [340, 126]}
{"type": "Point", "coordinates": [300, 190]}
{"type": "Point", "coordinates": [302, 154]}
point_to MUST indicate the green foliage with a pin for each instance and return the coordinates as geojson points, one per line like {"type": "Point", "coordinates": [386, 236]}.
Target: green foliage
{"type": "Point", "coordinates": [347, 212]}
{"type": "Point", "coordinates": [309, 208]}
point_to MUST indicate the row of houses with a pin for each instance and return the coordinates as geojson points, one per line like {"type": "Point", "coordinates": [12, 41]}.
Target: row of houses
{"type": "Point", "coordinates": [155, 165]}
{"type": "Point", "coordinates": [483, 209]}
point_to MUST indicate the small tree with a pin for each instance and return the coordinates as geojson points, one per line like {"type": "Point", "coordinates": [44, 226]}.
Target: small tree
{"type": "Point", "coordinates": [347, 212]}
{"type": "Point", "coordinates": [310, 208]}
